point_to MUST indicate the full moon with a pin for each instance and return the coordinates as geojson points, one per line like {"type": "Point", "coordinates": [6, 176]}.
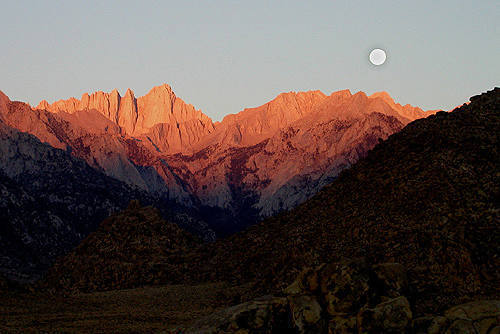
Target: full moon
{"type": "Point", "coordinates": [377, 57]}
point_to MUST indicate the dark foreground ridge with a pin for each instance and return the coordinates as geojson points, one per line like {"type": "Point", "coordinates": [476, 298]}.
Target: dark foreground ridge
{"type": "Point", "coordinates": [133, 248]}
{"type": "Point", "coordinates": [426, 198]}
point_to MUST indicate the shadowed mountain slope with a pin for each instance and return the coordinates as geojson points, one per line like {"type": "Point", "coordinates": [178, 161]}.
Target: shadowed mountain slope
{"type": "Point", "coordinates": [50, 200]}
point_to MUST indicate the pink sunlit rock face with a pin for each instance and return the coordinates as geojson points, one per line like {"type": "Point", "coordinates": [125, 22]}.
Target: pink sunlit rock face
{"type": "Point", "coordinates": [165, 119]}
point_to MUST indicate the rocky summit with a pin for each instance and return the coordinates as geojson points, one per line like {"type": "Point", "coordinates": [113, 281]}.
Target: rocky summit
{"type": "Point", "coordinates": [164, 119]}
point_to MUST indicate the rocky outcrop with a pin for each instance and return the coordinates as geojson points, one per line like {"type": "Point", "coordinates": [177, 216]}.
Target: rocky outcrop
{"type": "Point", "coordinates": [356, 297]}
{"type": "Point", "coordinates": [134, 247]}
{"type": "Point", "coordinates": [348, 297]}
{"type": "Point", "coordinates": [478, 317]}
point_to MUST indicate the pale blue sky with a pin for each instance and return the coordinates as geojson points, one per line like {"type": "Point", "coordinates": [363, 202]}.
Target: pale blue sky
{"type": "Point", "coordinates": [223, 56]}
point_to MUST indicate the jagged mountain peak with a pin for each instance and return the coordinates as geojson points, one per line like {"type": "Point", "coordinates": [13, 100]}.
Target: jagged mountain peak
{"type": "Point", "coordinates": [383, 95]}
{"type": "Point", "coordinates": [298, 94]}
{"type": "Point", "coordinates": [3, 97]}
{"type": "Point", "coordinates": [4, 100]}
{"type": "Point", "coordinates": [129, 93]}
{"type": "Point", "coordinates": [163, 87]}
{"type": "Point", "coordinates": [310, 135]}
{"type": "Point", "coordinates": [170, 123]}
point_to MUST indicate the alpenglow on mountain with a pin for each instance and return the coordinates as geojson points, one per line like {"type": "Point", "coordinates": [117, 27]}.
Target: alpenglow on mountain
{"type": "Point", "coordinates": [253, 164]}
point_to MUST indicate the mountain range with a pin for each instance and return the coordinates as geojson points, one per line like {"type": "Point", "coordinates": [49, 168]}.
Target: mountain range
{"type": "Point", "coordinates": [249, 166]}
{"type": "Point", "coordinates": [213, 179]}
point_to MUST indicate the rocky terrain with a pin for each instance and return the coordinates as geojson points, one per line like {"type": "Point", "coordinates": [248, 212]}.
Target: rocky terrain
{"type": "Point", "coordinates": [90, 136]}
{"type": "Point", "coordinates": [403, 241]}
{"type": "Point", "coordinates": [46, 207]}
{"type": "Point", "coordinates": [348, 297]}
{"type": "Point", "coordinates": [426, 198]}
{"type": "Point", "coordinates": [204, 176]}
{"type": "Point", "coordinates": [159, 117]}
{"type": "Point", "coordinates": [133, 248]}
{"type": "Point", "coordinates": [303, 154]}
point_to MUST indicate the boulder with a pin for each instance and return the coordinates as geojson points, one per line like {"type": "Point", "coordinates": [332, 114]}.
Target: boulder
{"type": "Point", "coordinates": [478, 317]}
{"type": "Point", "coordinates": [263, 315]}
{"type": "Point", "coordinates": [306, 314]}
{"type": "Point", "coordinates": [391, 279]}
{"type": "Point", "coordinates": [392, 316]}
{"type": "Point", "coordinates": [345, 286]}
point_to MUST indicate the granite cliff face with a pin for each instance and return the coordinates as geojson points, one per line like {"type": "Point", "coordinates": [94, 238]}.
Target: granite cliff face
{"type": "Point", "coordinates": [89, 135]}
{"type": "Point", "coordinates": [251, 165]}
{"type": "Point", "coordinates": [160, 117]}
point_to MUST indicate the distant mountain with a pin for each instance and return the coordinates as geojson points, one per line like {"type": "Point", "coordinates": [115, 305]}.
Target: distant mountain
{"type": "Point", "coordinates": [251, 165]}
{"type": "Point", "coordinates": [427, 197]}
{"type": "Point", "coordinates": [89, 135]}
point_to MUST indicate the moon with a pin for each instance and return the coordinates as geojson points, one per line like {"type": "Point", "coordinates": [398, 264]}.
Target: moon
{"type": "Point", "coordinates": [377, 57]}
